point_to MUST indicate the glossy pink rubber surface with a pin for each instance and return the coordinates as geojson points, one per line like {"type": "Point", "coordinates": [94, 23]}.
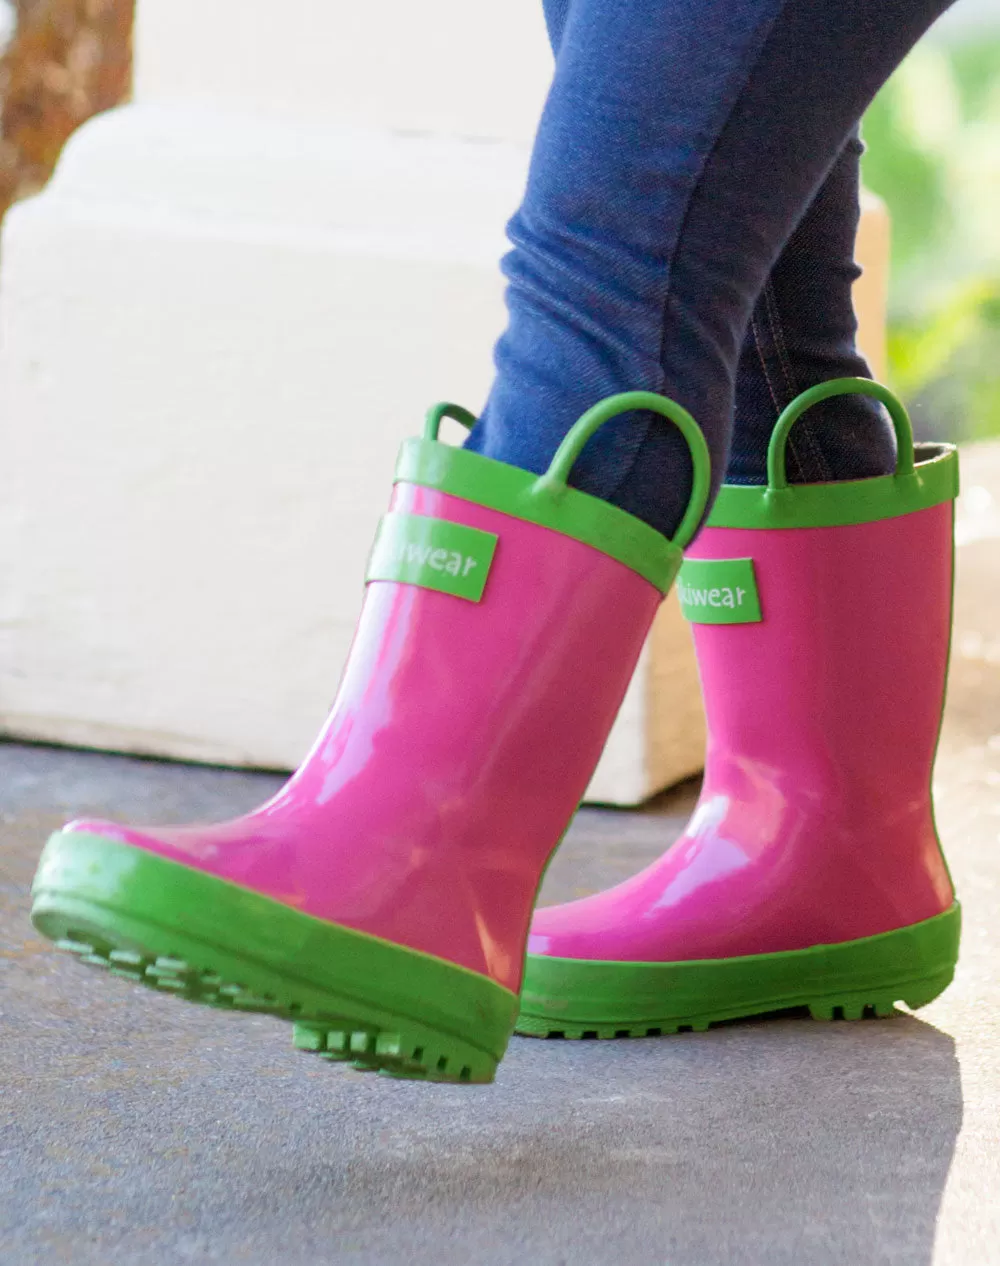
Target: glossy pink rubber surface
{"type": "Point", "coordinates": [461, 740]}
{"type": "Point", "coordinates": [815, 822]}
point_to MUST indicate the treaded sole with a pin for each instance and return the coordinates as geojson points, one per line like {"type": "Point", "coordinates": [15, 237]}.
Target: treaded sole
{"type": "Point", "coordinates": [849, 980]}
{"type": "Point", "coordinates": [362, 1036]}
{"type": "Point", "coordinates": [864, 1006]}
{"type": "Point", "coordinates": [407, 1053]}
{"type": "Point", "coordinates": [157, 923]}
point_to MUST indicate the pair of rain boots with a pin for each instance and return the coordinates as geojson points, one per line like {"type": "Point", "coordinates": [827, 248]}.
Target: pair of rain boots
{"type": "Point", "coordinates": [382, 899]}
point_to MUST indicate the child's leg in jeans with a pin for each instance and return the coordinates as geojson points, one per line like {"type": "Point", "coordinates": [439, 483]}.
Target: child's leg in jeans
{"type": "Point", "coordinates": [802, 332]}
{"type": "Point", "coordinates": [682, 144]}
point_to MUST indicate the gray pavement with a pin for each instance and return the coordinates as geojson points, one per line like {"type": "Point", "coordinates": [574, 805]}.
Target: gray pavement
{"type": "Point", "coordinates": [134, 1129]}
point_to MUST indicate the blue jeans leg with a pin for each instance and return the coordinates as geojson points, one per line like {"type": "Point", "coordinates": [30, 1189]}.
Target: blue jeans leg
{"type": "Point", "coordinates": [681, 145]}
{"type": "Point", "coordinates": [803, 332]}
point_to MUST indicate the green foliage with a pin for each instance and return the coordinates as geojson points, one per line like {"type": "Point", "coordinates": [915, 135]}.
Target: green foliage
{"type": "Point", "coordinates": [933, 137]}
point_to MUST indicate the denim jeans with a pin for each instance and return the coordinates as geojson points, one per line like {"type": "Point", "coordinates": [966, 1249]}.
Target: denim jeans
{"type": "Point", "coordinates": [688, 228]}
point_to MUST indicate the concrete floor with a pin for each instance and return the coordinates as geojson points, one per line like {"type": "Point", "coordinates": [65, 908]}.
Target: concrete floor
{"type": "Point", "coordinates": [136, 1130]}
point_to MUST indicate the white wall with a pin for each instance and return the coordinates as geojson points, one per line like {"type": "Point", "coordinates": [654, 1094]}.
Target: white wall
{"type": "Point", "coordinates": [235, 298]}
{"type": "Point", "coordinates": [470, 68]}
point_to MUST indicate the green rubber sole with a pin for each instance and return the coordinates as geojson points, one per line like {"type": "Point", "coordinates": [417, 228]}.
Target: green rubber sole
{"type": "Point", "coordinates": [576, 998]}
{"type": "Point", "coordinates": [381, 1006]}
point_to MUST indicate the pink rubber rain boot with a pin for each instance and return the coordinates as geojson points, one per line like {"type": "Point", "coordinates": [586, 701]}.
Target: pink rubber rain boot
{"type": "Point", "coordinates": [810, 874]}
{"type": "Point", "coordinates": [383, 897]}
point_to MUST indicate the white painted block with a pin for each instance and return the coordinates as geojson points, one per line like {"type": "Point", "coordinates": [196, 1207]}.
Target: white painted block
{"type": "Point", "coordinates": [443, 66]}
{"type": "Point", "coordinates": [216, 326]}
{"type": "Point", "coordinates": [205, 375]}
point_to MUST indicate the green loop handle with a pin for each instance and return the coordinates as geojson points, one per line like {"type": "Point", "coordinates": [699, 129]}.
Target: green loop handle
{"type": "Point", "coordinates": [777, 477]}
{"type": "Point", "coordinates": [555, 478]}
{"type": "Point", "coordinates": [435, 414]}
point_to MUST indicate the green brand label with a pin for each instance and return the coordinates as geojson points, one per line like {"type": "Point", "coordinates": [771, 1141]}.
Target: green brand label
{"type": "Point", "coordinates": [433, 553]}
{"type": "Point", "coordinates": [718, 591]}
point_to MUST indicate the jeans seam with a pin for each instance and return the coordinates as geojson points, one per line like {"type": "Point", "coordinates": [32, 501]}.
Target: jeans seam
{"type": "Point", "coordinates": [778, 337]}
{"type": "Point", "coordinates": [758, 343]}
{"type": "Point", "coordinates": [779, 401]}
{"type": "Point", "coordinates": [766, 368]}
{"type": "Point", "coordinates": [803, 434]}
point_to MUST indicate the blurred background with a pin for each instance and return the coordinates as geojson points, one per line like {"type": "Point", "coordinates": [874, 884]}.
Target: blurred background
{"type": "Point", "coordinates": [243, 286]}
{"type": "Point", "coordinates": [933, 140]}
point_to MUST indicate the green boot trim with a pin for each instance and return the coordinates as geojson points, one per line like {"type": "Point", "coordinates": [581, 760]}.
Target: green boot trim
{"type": "Point", "coordinates": [571, 997]}
{"type": "Point", "coordinates": [162, 924]}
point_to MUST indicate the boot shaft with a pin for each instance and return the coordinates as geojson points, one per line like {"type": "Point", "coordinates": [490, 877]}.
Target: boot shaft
{"type": "Point", "coordinates": [503, 619]}
{"type": "Point", "coordinates": [837, 691]}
